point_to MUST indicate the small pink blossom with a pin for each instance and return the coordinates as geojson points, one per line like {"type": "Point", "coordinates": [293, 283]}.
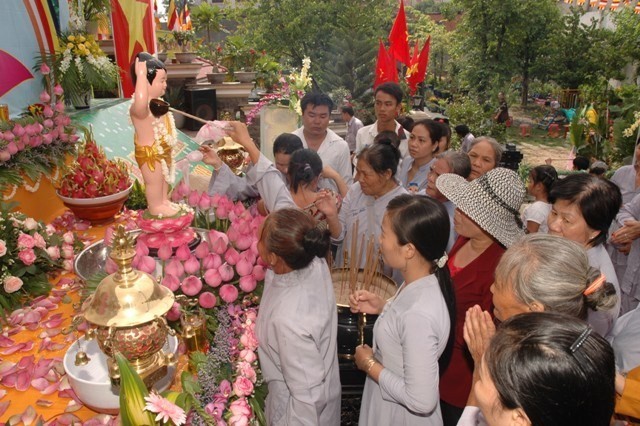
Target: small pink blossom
{"type": "Point", "coordinates": [240, 412]}
{"type": "Point", "coordinates": [191, 285]}
{"type": "Point", "coordinates": [243, 267]}
{"type": "Point", "coordinates": [174, 312]}
{"type": "Point", "coordinates": [53, 252]}
{"type": "Point", "coordinates": [45, 97]}
{"type": "Point", "coordinates": [246, 370]}
{"type": "Point", "coordinates": [67, 265]}
{"type": "Point", "coordinates": [215, 409]}
{"type": "Point", "coordinates": [39, 241]}
{"type": "Point", "coordinates": [165, 409]}
{"type": "Point", "coordinates": [27, 256]}
{"type": "Point", "coordinates": [194, 197]}
{"type": "Point", "coordinates": [165, 252]}
{"type": "Point", "coordinates": [225, 388]}
{"type": "Point", "coordinates": [30, 224]}
{"type": "Point", "coordinates": [242, 386]}
{"type": "Point", "coordinates": [248, 355]}
{"type": "Point", "coordinates": [259, 272]}
{"type": "Point", "coordinates": [212, 261]}
{"type": "Point", "coordinates": [12, 284]}
{"type": "Point", "coordinates": [67, 251]}
{"type": "Point", "coordinates": [248, 340]}
{"type": "Point", "coordinates": [229, 293]}
{"type": "Point", "coordinates": [174, 267]}
{"type": "Point", "coordinates": [232, 256]}
{"type": "Point", "coordinates": [68, 237]}
{"type": "Point", "coordinates": [44, 69]}
{"type": "Point", "coordinates": [3, 248]}
{"type": "Point", "coordinates": [57, 90]}
{"type": "Point", "coordinates": [207, 300]}
{"type": "Point", "coordinates": [141, 248]}
{"type": "Point", "coordinates": [147, 264]}
{"type": "Point", "coordinates": [204, 203]}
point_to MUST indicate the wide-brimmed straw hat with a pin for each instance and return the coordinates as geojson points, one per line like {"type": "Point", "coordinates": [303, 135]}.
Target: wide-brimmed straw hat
{"type": "Point", "coordinates": [492, 201]}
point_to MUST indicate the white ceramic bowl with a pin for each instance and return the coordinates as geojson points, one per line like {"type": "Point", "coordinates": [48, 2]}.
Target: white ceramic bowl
{"type": "Point", "coordinates": [91, 381]}
{"type": "Point", "coordinates": [96, 200]}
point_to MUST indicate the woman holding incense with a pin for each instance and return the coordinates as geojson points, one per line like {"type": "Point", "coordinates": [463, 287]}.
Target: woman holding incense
{"type": "Point", "coordinates": [415, 326]}
{"type": "Point", "coordinates": [364, 206]}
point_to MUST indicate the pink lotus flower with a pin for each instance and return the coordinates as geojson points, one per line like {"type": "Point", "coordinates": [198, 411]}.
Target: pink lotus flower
{"type": "Point", "coordinates": [204, 203]}
{"type": "Point", "coordinates": [243, 242]}
{"type": "Point", "coordinates": [174, 267]}
{"type": "Point", "coordinates": [147, 264]}
{"type": "Point", "coordinates": [232, 256]}
{"type": "Point", "coordinates": [45, 97]}
{"type": "Point", "coordinates": [165, 252]}
{"type": "Point", "coordinates": [141, 248]}
{"type": "Point", "coordinates": [110, 267]}
{"type": "Point", "coordinates": [259, 272]}
{"type": "Point", "coordinates": [191, 285]}
{"type": "Point", "coordinates": [219, 241]}
{"type": "Point", "coordinates": [207, 300]}
{"type": "Point", "coordinates": [57, 90]}
{"type": "Point", "coordinates": [242, 386]}
{"type": "Point", "coordinates": [25, 241]}
{"type": "Point", "coordinates": [174, 312]}
{"type": "Point", "coordinates": [212, 278]}
{"type": "Point", "coordinates": [248, 283]}
{"type": "Point", "coordinates": [202, 250]}
{"type": "Point", "coordinates": [12, 284]}
{"type": "Point", "coordinates": [192, 265]}
{"type": "Point", "coordinates": [53, 252]}
{"type": "Point", "coordinates": [229, 293]}
{"type": "Point", "coordinates": [226, 272]}
{"type": "Point", "coordinates": [212, 261]}
{"type": "Point", "coordinates": [44, 69]}
{"type": "Point", "coordinates": [244, 267]}
{"type": "Point", "coordinates": [171, 282]}
{"type": "Point", "coordinates": [27, 256]}
{"type": "Point", "coordinates": [4, 155]}
{"type": "Point", "coordinates": [183, 253]}
{"type": "Point", "coordinates": [12, 148]}
{"type": "Point", "coordinates": [194, 197]}
{"type": "Point", "coordinates": [165, 409]}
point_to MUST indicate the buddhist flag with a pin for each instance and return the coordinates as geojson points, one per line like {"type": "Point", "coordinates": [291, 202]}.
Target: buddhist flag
{"type": "Point", "coordinates": [614, 4]}
{"type": "Point", "coordinates": [385, 67]}
{"type": "Point", "coordinates": [186, 18]}
{"type": "Point", "coordinates": [174, 23]}
{"type": "Point", "coordinates": [133, 32]}
{"type": "Point", "coordinates": [603, 4]}
{"type": "Point", "coordinates": [399, 37]}
{"type": "Point", "coordinates": [637, 8]}
{"type": "Point", "coordinates": [418, 68]}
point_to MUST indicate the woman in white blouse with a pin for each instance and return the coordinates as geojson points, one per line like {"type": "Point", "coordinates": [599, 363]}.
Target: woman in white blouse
{"type": "Point", "coordinates": [414, 327]}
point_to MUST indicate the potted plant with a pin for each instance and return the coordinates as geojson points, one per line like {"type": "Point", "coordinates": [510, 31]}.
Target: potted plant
{"type": "Point", "coordinates": [94, 188]}
{"type": "Point", "coordinates": [165, 43]}
{"type": "Point", "coordinates": [219, 72]}
{"type": "Point", "coordinates": [247, 71]}
{"type": "Point", "coordinates": [80, 66]}
{"type": "Point", "coordinates": [185, 39]}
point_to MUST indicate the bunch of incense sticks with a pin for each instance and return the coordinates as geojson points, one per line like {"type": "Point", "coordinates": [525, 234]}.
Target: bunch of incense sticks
{"type": "Point", "coordinates": [371, 264]}
{"type": "Point", "coordinates": [352, 259]}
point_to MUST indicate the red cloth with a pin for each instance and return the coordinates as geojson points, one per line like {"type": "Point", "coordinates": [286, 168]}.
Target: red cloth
{"type": "Point", "coordinates": [418, 69]}
{"type": "Point", "coordinates": [471, 287]}
{"type": "Point", "coordinates": [399, 37]}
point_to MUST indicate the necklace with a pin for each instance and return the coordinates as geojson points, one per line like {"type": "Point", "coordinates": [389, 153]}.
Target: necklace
{"type": "Point", "coordinates": [161, 133]}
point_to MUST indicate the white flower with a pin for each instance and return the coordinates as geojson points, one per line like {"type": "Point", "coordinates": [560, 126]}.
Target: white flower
{"type": "Point", "coordinates": [30, 224]}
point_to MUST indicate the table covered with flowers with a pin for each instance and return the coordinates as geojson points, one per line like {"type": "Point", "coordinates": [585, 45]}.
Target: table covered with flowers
{"type": "Point", "coordinates": [222, 277]}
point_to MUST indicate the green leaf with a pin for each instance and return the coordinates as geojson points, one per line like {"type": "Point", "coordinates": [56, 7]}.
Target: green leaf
{"type": "Point", "coordinates": [132, 394]}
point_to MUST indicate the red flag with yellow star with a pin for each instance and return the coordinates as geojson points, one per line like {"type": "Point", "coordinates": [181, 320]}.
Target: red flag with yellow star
{"type": "Point", "coordinates": [133, 32]}
{"type": "Point", "coordinates": [385, 67]}
{"type": "Point", "coordinates": [417, 71]}
{"type": "Point", "coordinates": [399, 37]}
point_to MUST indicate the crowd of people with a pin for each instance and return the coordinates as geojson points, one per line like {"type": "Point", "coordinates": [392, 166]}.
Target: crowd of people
{"type": "Point", "coordinates": [502, 315]}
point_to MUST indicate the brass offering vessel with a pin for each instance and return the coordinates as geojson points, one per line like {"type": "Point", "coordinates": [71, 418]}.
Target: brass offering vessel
{"type": "Point", "coordinates": [127, 311]}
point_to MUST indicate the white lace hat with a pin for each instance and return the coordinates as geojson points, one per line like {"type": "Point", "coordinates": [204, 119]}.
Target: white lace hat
{"type": "Point", "coordinates": [492, 201]}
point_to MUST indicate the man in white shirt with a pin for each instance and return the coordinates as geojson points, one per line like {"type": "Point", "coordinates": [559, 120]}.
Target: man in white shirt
{"type": "Point", "coordinates": [316, 135]}
{"type": "Point", "coordinates": [353, 126]}
{"type": "Point", "coordinates": [388, 104]}
{"type": "Point", "coordinates": [466, 137]}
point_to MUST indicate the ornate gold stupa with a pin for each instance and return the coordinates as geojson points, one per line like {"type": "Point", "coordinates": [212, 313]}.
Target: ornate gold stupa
{"type": "Point", "coordinates": [127, 310]}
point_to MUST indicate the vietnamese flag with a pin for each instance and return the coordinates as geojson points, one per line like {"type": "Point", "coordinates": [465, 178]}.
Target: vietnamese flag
{"type": "Point", "coordinates": [133, 32]}
{"type": "Point", "coordinates": [385, 67]}
{"type": "Point", "coordinates": [399, 37]}
{"type": "Point", "coordinates": [418, 68]}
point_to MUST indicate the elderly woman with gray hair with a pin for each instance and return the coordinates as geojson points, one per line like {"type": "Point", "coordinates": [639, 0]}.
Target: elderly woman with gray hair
{"type": "Point", "coordinates": [485, 154]}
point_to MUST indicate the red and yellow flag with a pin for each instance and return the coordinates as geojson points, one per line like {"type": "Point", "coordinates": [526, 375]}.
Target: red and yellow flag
{"type": "Point", "coordinates": [385, 67]}
{"type": "Point", "coordinates": [418, 68]}
{"type": "Point", "coordinates": [186, 18]}
{"type": "Point", "coordinates": [173, 23]}
{"type": "Point", "coordinates": [399, 37]}
{"type": "Point", "coordinates": [133, 32]}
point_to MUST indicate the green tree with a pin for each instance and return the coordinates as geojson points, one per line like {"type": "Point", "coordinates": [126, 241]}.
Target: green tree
{"type": "Point", "coordinates": [208, 18]}
{"type": "Point", "coordinates": [626, 37]}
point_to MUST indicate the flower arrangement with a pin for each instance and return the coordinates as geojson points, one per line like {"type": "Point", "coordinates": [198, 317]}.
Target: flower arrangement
{"type": "Point", "coordinates": [81, 66]}
{"type": "Point", "coordinates": [223, 277]}
{"type": "Point", "coordinates": [292, 89]}
{"type": "Point", "coordinates": [35, 144]}
{"type": "Point", "coordinates": [29, 253]}
{"type": "Point", "coordinates": [92, 174]}
{"type": "Point", "coordinates": [184, 39]}
{"type": "Point", "coordinates": [631, 130]}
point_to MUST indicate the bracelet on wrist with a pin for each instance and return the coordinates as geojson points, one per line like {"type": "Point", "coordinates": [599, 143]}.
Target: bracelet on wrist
{"type": "Point", "coordinates": [370, 363]}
